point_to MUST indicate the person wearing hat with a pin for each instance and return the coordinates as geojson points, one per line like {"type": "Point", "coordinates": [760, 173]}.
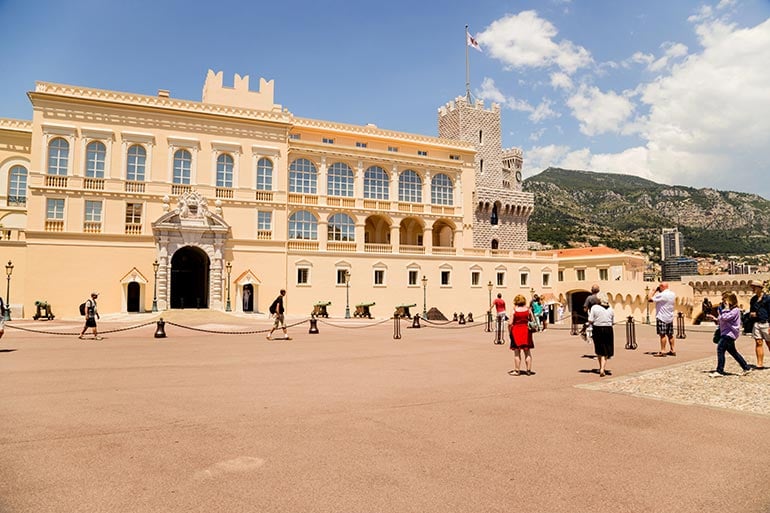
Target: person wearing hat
{"type": "Point", "coordinates": [602, 317]}
{"type": "Point", "coordinates": [759, 312]}
{"type": "Point", "coordinates": [91, 315]}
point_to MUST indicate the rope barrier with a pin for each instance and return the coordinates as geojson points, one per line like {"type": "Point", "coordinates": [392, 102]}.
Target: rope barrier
{"type": "Point", "coordinates": [218, 332]}
{"type": "Point", "coordinates": [45, 332]}
{"type": "Point", "coordinates": [355, 327]}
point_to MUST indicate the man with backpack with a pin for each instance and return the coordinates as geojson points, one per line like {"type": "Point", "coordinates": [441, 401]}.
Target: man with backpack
{"type": "Point", "coordinates": [89, 310]}
{"type": "Point", "coordinates": [759, 315]}
{"type": "Point", "coordinates": [277, 310]}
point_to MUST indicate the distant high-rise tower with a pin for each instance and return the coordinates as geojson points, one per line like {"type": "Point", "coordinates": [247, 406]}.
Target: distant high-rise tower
{"type": "Point", "coordinates": [501, 209]}
{"type": "Point", "coordinates": [671, 244]}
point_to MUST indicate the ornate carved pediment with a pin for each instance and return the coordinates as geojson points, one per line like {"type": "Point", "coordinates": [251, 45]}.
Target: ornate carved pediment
{"type": "Point", "coordinates": [192, 211]}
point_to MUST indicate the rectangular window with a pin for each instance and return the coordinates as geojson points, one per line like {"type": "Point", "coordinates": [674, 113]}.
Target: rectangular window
{"type": "Point", "coordinates": [93, 212]}
{"type": "Point", "coordinates": [294, 137]}
{"type": "Point", "coordinates": [561, 275]}
{"type": "Point", "coordinates": [379, 277]}
{"type": "Point", "coordinates": [54, 209]}
{"type": "Point", "coordinates": [445, 278]}
{"type": "Point", "coordinates": [422, 153]}
{"type": "Point", "coordinates": [475, 278]}
{"type": "Point", "coordinates": [328, 140]}
{"type": "Point", "coordinates": [524, 279]}
{"type": "Point", "coordinates": [454, 157]}
{"type": "Point", "coordinates": [604, 274]}
{"type": "Point", "coordinates": [393, 149]}
{"type": "Point", "coordinates": [341, 276]}
{"type": "Point", "coordinates": [412, 277]}
{"type": "Point", "coordinates": [303, 275]}
{"type": "Point", "coordinates": [500, 279]}
{"type": "Point", "coordinates": [264, 220]}
{"type": "Point", "coordinates": [134, 213]}
{"type": "Point", "coordinates": [546, 280]}
{"type": "Point", "coordinates": [361, 145]}
{"type": "Point", "coordinates": [581, 275]}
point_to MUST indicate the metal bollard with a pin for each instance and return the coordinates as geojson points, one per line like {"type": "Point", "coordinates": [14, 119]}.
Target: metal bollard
{"type": "Point", "coordinates": [313, 325]}
{"type": "Point", "coordinates": [461, 320]}
{"type": "Point", "coordinates": [680, 326]}
{"type": "Point", "coordinates": [416, 321]}
{"type": "Point", "coordinates": [489, 322]}
{"type": "Point", "coordinates": [396, 326]}
{"type": "Point", "coordinates": [499, 331]}
{"type": "Point", "coordinates": [630, 333]}
{"type": "Point", "coordinates": [470, 316]}
{"type": "Point", "coordinates": [160, 332]}
{"type": "Point", "coordinates": [454, 317]}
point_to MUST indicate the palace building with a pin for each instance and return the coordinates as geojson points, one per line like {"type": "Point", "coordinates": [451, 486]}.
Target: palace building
{"type": "Point", "coordinates": [161, 202]}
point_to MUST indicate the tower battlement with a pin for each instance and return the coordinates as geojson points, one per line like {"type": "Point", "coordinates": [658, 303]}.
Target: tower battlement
{"type": "Point", "coordinates": [215, 92]}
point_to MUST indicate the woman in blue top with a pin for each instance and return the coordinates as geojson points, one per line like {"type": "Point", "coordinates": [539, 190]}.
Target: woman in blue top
{"type": "Point", "coordinates": [537, 310]}
{"type": "Point", "coordinates": [729, 328]}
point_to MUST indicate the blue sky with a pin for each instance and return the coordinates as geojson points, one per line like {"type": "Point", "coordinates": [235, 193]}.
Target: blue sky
{"type": "Point", "coordinates": [674, 91]}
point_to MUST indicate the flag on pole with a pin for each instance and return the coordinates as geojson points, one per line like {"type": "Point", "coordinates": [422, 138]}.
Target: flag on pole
{"type": "Point", "coordinates": [472, 42]}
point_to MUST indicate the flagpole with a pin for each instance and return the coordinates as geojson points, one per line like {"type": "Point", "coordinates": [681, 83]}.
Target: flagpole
{"type": "Point", "coordinates": [467, 69]}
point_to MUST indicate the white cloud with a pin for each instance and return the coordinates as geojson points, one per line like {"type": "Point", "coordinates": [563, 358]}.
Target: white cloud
{"type": "Point", "coordinates": [527, 40]}
{"type": "Point", "coordinates": [541, 112]}
{"type": "Point", "coordinates": [599, 112]}
{"type": "Point", "coordinates": [561, 80]}
{"type": "Point", "coordinates": [489, 91]}
{"type": "Point", "coordinates": [671, 51]}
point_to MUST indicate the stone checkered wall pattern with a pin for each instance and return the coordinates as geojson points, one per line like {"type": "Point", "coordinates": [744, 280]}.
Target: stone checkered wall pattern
{"type": "Point", "coordinates": [471, 122]}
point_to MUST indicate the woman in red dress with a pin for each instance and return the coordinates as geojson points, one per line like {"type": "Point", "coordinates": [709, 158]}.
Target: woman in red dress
{"type": "Point", "coordinates": [521, 337]}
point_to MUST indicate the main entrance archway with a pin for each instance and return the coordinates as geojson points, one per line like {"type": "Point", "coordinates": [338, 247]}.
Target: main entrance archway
{"type": "Point", "coordinates": [190, 278]}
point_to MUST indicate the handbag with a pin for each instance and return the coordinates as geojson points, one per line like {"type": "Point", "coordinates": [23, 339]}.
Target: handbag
{"type": "Point", "coordinates": [532, 324]}
{"type": "Point", "coordinates": [717, 336]}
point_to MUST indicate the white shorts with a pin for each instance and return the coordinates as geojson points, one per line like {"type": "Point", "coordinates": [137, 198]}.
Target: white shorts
{"type": "Point", "coordinates": [761, 331]}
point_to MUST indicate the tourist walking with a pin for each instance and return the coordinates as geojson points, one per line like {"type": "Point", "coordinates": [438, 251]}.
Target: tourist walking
{"type": "Point", "coordinates": [498, 306]}
{"type": "Point", "coordinates": [664, 299]}
{"type": "Point", "coordinates": [521, 336]}
{"type": "Point", "coordinates": [759, 313]}
{"type": "Point", "coordinates": [277, 310]}
{"type": "Point", "coordinates": [729, 329]}
{"type": "Point", "coordinates": [537, 311]}
{"type": "Point", "coordinates": [92, 314]}
{"type": "Point", "coordinates": [601, 317]}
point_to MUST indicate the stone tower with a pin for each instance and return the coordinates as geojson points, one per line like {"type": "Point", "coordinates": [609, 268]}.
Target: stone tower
{"type": "Point", "coordinates": [501, 209]}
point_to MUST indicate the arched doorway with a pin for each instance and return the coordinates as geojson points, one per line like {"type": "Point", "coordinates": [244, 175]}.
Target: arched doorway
{"type": "Point", "coordinates": [132, 297]}
{"type": "Point", "coordinates": [190, 278]}
{"type": "Point", "coordinates": [578, 299]}
{"type": "Point", "coordinates": [247, 295]}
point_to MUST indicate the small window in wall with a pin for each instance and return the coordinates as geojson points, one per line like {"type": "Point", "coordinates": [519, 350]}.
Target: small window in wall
{"type": "Point", "coordinates": [264, 220]}
{"type": "Point", "coordinates": [361, 145]}
{"type": "Point", "coordinates": [546, 279]}
{"type": "Point", "coordinates": [303, 276]}
{"type": "Point", "coordinates": [379, 277]}
{"type": "Point", "coordinates": [603, 274]}
{"type": "Point", "coordinates": [481, 137]}
{"type": "Point", "coordinates": [393, 149]}
{"type": "Point", "coordinates": [495, 244]}
{"type": "Point", "coordinates": [328, 140]}
{"type": "Point", "coordinates": [524, 279]}
{"type": "Point", "coordinates": [454, 157]}
{"type": "Point", "coordinates": [54, 209]}
{"type": "Point", "coordinates": [501, 278]}
{"type": "Point", "coordinates": [446, 278]}
{"type": "Point", "coordinates": [341, 276]}
{"type": "Point", "coordinates": [475, 278]}
{"type": "Point", "coordinates": [413, 277]}
{"type": "Point", "coordinates": [561, 275]}
{"type": "Point", "coordinates": [422, 153]}
{"type": "Point", "coordinates": [493, 219]}
{"type": "Point", "coordinates": [581, 275]}
{"type": "Point", "coordinates": [294, 137]}
{"type": "Point", "coordinates": [481, 166]}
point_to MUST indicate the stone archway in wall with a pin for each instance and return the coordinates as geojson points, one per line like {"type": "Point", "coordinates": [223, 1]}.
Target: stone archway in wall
{"type": "Point", "coordinates": [190, 239]}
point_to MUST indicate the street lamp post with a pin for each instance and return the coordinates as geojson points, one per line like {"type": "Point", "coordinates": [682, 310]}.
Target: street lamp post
{"type": "Point", "coordinates": [8, 272]}
{"type": "Point", "coordinates": [489, 310]}
{"type": "Point", "coordinates": [347, 294]}
{"type": "Point", "coordinates": [155, 267]}
{"type": "Point", "coordinates": [647, 300]}
{"type": "Point", "coordinates": [229, 267]}
{"type": "Point", "coordinates": [424, 297]}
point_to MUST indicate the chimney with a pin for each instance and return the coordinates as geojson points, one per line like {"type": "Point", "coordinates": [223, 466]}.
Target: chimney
{"type": "Point", "coordinates": [163, 93]}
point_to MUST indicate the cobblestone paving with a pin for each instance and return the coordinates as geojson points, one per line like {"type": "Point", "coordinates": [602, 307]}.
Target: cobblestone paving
{"type": "Point", "coordinates": [689, 383]}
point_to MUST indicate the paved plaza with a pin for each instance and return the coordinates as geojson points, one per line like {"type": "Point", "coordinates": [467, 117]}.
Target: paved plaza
{"type": "Point", "coordinates": [351, 420]}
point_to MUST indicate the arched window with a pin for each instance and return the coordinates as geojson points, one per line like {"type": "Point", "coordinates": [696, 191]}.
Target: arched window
{"type": "Point", "coordinates": [376, 183]}
{"type": "Point", "coordinates": [340, 180]}
{"type": "Point", "coordinates": [342, 227]}
{"type": "Point", "coordinates": [182, 167]}
{"type": "Point", "coordinates": [493, 218]}
{"type": "Point", "coordinates": [495, 244]}
{"type": "Point", "coordinates": [410, 187]}
{"type": "Point", "coordinates": [17, 186]}
{"type": "Point", "coordinates": [96, 153]}
{"type": "Point", "coordinates": [303, 225]}
{"type": "Point", "coordinates": [135, 163]}
{"type": "Point", "coordinates": [303, 177]}
{"type": "Point", "coordinates": [264, 175]}
{"type": "Point", "coordinates": [224, 170]}
{"type": "Point", "coordinates": [441, 190]}
{"type": "Point", "coordinates": [58, 155]}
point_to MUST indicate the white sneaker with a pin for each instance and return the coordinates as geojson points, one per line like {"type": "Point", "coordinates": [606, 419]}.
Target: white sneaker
{"type": "Point", "coordinates": [715, 374]}
{"type": "Point", "coordinates": [747, 372]}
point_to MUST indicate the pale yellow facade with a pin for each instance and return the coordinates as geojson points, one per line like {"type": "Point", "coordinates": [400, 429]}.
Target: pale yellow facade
{"type": "Point", "coordinates": [235, 198]}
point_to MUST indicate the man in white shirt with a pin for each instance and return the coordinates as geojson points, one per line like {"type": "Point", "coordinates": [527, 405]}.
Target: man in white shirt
{"type": "Point", "coordinates": [664, 317]}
